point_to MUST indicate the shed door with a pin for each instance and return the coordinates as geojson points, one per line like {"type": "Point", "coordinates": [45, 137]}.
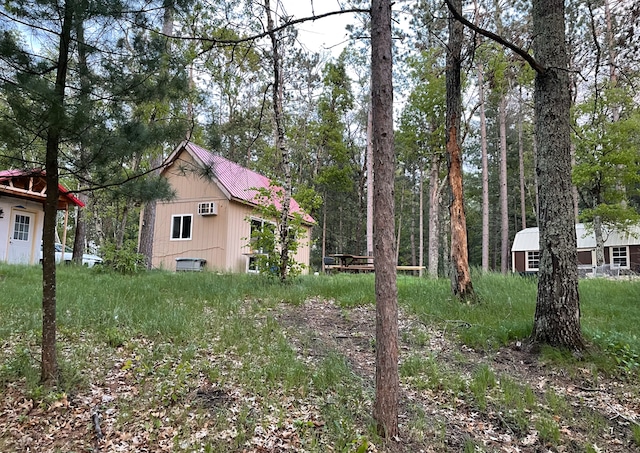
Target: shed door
{"type": "Point", "coordinates": [21, 237]}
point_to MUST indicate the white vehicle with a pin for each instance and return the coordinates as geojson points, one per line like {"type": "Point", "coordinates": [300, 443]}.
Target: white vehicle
{"type": "Point", "coordinates": [88, 259]}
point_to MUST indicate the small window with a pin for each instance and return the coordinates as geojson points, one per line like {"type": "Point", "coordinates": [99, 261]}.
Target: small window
{"type": "Point", "coordinates": [258, 227]}
{"type": "Point", "coordinates": [620, 257]}
{"type": "Point", "coordinates": [181, 227]}
{"type": "Point", "coordinates": [21, 227]}
{"type": "Point", "coordinates": [533, 260]}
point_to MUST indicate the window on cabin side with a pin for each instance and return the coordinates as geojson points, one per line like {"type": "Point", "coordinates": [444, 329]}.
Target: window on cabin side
{"type": "Point", "coordinates": [619, 256]}
{"type": "Point", "coordinates": [533, 260]}
{"type": "Point", "coordinates": [181, 226]}
{"type": "Point", "coordinates": [262, 236]}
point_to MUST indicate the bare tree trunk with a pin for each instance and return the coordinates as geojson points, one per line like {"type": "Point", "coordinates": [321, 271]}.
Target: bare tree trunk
{"type": "Point", "coordinates": [504, 200]}
{"type": "Point", "coordinates": [285, 237]}
{"type": "Point", "coordinates": [120, 231]}
{"type": "Point", "coordinates": [523, 200]}
{"type": "Point", "coordinates": [598, 233]}
{"type": "Point", "coordinates": [421, 224]}
{"type": "Point", "coordinates": [56, 115]}
{"type": "Point", "coordinates": [460, 272]}
{"type": "Point", "coordinates": [148, 222]}
{"type": "Point", "coordinates": [574, 188]}
{"type": "Point", "coordinates": [324, 232]}
{"type": "Point", "coordinates": [399, 225]}
{"type": "Point", "coordinates": [385, 408]}
{"type": "Point", "coordinates": [536, 184]}
{"type": "Point", "coordinates": [485, 172]}
{"type": "Point", "coordinates": [557, 316]}
{"type": "Point", "coordinates": [434, 215]}
{"type": "Point", "coordinates": [80, 237]}
{"type": "Point", "coordinates": [370, 178]}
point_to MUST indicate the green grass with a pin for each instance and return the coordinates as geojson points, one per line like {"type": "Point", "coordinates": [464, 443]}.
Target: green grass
{"type": "Point", "coordinates": [172, 334]}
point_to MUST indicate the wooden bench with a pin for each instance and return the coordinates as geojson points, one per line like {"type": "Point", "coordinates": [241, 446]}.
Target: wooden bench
{"type": "Point", "coordinates": [362, 268]}
{"type": "Point", "coordinates": [410, 268]}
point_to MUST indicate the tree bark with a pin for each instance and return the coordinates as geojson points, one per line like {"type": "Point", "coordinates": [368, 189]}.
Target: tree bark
{"type": "Point", "coordinates": [460, 273]}
{"type": "Point", "coordinates": [421, 223]}
{"type": "Point", "coordinates": [370, 178]}
{"type": "Point", "coordinates": [80, 237]}
{"type": "Point", "coordinates": [148, 221]}
{"type": "Point", "coordinates": [557, 316]}
{"type": "Point", "coordinates": [434, 215]}
{"type": "Point", "coordinates": [523, 200]}
{"type": "Point", "coordinates": [385, 409]}
{"type": "Point", "coordinates": [49, 364]}
{"type": "Point", "coordinates": [485, 172]}
{"type": "Point", "coordinates": [504, 200]}
{"type": "Point", "coordinates": [285, 237]}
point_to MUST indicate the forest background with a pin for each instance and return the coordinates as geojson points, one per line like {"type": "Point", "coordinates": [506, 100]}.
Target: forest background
{"type": "Point", "coordinates": [142, 77]}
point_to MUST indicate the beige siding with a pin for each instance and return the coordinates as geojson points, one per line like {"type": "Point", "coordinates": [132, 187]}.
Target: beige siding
{"type": "Point", "coordinates": [221, 239]}
{"type": "Point", "coordinates": [209, 233]}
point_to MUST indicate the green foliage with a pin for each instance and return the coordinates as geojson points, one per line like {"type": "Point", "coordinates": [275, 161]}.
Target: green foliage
{"type": "Point", "coordinates": [269, 239]}
{"type": "Point", "coordinates": [123, 260]}
{"type": "Point", "coordinates": [607, 156]}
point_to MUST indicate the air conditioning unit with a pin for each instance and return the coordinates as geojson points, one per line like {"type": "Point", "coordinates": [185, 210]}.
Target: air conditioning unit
{"type": "Point", "coordinates": [208, 208]}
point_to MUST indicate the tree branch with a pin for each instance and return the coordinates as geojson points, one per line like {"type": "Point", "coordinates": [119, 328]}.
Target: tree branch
{"type": "Point", "coordinates": [287, 23]}
{"type": "Point", "coordinates": [539, 68]}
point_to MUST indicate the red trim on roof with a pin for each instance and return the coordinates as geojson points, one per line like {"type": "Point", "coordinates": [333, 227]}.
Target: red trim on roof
{"type": "Point", "coordinates": [64, 192]}
{"type": "Point", "coordinates": [240, 182]}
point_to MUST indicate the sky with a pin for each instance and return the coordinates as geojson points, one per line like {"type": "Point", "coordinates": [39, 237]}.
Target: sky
{"type": "Point", "coordinates": [323, 35]}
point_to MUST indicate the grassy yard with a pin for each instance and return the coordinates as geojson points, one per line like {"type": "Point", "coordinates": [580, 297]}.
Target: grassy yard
{"type": "Point", "coordinates": [203, 362]}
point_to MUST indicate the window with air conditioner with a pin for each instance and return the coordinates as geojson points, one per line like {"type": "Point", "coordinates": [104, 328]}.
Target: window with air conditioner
{"type": "Point", "coordinates": [208, 208]}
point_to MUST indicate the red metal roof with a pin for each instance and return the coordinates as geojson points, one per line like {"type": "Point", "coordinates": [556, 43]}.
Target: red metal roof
{"type": "Point", "coordinates": [15, 174]}
{"type": "Point", "coordinates": [240, 182]}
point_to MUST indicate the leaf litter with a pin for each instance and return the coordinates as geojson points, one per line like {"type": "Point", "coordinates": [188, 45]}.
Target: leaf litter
{"type": "Point", "coordinates": [138, 400]}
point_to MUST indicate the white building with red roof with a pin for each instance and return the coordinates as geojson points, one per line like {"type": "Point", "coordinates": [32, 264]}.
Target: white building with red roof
{"type": "Point", "coordinates": [22, 197]}
{"type": "Point", "coordinates": [210, 220]}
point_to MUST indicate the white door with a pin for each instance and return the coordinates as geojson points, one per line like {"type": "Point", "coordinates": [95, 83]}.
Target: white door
{"type": "Point", "coordinates": [21, 237]}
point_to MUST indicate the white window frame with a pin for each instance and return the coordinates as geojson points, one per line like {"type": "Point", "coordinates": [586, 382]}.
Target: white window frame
{"type": "Point", "coordinates": [528, 260]}
{"type": "Point", "coordinates": [263, 222]}
{"type": "Point", "coordinates": [181, 232]}
{"type": "Point", "coordinates": [616, 250]}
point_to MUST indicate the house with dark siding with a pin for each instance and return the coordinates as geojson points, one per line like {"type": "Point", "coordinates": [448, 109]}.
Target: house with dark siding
{"type": "Point", "coordinates": [621, 249]}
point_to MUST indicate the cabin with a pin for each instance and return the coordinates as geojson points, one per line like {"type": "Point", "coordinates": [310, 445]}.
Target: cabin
{"type": "Point", "coordinates": [621, 250]}
{"type": "Point", "coordinates": [209, 223]}
{"type": "Point", "coordinates": [23, 195]}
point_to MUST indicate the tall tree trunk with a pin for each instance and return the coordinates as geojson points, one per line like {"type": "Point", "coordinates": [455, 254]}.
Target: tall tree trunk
{"type": "Point", "coordinates": [434, 215]}
{"type": "Point", "coordinates": [574, 188]}
{"type": "Point", "coordinates": [504, 200]}
{"type": "Point", "coordinates": [385, 408]}
{"type": "Point", "coordinates": [324, 231]}
{"type": "Point", "coordinates": [399, 224]}
{"type": "Point", "coordinates": [370, 178]}
{"type": "Point", "coordinates": [536, 182]}
{"type": "Point", "coordinates": [523, 199]}
{"type": "Point", "coordinates": [421, 223]}
{"type": "Point", "coordinates": [460, 273]}
{"type": "Point", "coordinates": [485, 171]}
{"type": "Point", "coordinates": [56, 115]}
{"type": "Point", "coordinates": [285, 237]}
{"type": "Point", "coordinates": [557, 316]}
{"type": "Point", "coordinates": [80, 237]}
{"type": "Point", "coordinates": [599, 235]}
{"type": "Point", "coordinates": [148, 221]}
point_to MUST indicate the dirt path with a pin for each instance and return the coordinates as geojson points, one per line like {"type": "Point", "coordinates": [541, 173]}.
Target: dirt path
{"type": "Point", "coordinates": [591, 413]}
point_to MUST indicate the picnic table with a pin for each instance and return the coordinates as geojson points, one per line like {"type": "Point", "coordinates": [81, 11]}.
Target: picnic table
{"type": "Point", "coordinates": [346, 262]}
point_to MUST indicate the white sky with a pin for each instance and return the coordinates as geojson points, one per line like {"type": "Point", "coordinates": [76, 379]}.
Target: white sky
{"type": "Point", "coordinates": [323, 35]}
